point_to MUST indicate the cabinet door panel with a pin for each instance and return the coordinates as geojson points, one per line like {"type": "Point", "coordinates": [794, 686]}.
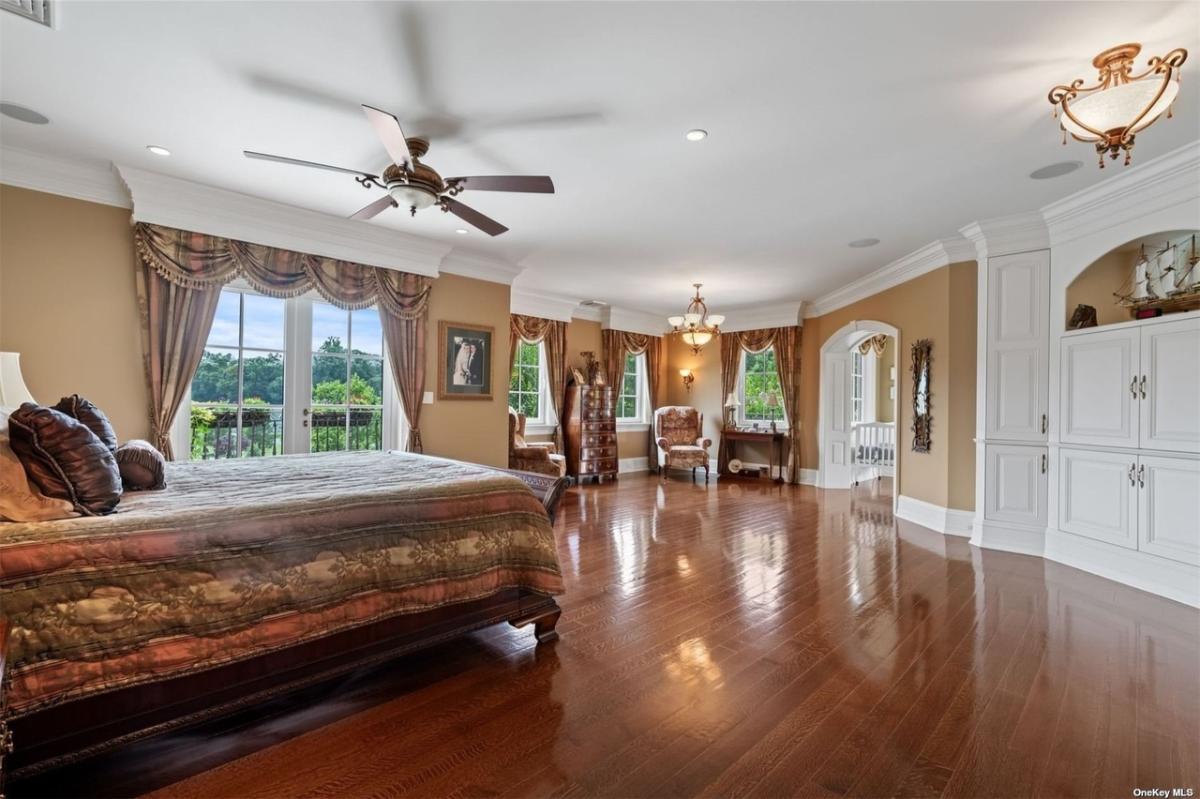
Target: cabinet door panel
{"type": "Point", "coordinates": [1169, 507]}
{"type": "Point", "coordinates": [1170, 362]}
{"type": "Point", "coordinates": [1015, 488]}
{"type": "Point", "coordinates": [1098, 495]}
{"type": "Point", "coordinates": [1099, 392]}
{"type": "Point", "coordinates": [1018, 345]}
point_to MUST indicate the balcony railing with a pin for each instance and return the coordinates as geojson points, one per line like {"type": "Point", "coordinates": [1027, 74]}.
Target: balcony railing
{"type": "Point", "coordinates": [217, 434]}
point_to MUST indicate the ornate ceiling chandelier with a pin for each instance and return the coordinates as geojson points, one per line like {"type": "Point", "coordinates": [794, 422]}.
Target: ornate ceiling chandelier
{"type": "Point", "coordinates": [696, 327]}
{"type": "Point", "coordinates": [1121, 104]}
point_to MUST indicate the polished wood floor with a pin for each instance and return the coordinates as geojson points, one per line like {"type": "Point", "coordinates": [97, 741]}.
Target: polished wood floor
{"type": "Point", "coordinates": [735, 639]}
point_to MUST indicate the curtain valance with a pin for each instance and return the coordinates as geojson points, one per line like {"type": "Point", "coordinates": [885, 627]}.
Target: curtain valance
{"type": "Point", "coordinates": [199, 261]}
{"type": "Point", "coordinates": [877, 343]}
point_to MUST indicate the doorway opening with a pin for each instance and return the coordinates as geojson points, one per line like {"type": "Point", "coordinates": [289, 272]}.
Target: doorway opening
{"type": "Point", "coordinates": [859, 408]}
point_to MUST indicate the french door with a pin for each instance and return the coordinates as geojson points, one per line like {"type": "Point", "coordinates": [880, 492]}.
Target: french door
{"type": "Point", "coordinates": [288, 376]}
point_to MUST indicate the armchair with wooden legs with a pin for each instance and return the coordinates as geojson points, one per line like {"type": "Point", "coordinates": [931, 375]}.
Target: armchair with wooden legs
{"type": "Point", "coordinates": [681, 442]}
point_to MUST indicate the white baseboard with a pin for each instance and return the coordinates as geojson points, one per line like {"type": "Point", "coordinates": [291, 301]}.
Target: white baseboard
{"type": "Point", "coordinates": [1161, 576]}
{"type": "Point", "coordinates": [810, 477]}
{"type": "Point", "coordinates": [632, 465]}
{"type": "Point", "coordinates": [1008, 538]}
{"type": "Point", "coordinates": [948, 521]}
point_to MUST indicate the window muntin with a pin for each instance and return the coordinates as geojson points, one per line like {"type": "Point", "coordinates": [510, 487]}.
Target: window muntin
{"type": "Point", "coordinates": [857, 386]}
{"type": "Point", "coordinates": [632, 389]}
{"type": "Point", "coordinates": [347, 379]}
{"type": "Point", "coordinates": [237, 396]}
{"type": "Point", "coordinates": [526, 387]}
{"type": "Point", "coordinates": [760, 377]}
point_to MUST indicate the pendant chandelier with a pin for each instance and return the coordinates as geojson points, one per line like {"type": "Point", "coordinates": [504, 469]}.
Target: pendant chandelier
{"type": "Point", "coordinates": [696, 327]}
{"type": "Point", "coordinates": [1121, 104]}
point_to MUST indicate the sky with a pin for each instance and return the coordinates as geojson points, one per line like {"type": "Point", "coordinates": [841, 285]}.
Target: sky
{"type": "Point", "coordinates": [265, 324]}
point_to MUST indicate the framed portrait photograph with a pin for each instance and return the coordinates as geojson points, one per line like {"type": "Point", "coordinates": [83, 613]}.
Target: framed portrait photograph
{"type": "Point", "coordinates": [464, 361]}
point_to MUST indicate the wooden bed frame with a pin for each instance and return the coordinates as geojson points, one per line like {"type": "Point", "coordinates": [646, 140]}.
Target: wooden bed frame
{"type": "Point", "coordinates": [81, 728]}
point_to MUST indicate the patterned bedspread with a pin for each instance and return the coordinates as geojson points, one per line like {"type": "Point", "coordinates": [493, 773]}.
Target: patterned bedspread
{"type": "Point", "coordinates": [239, 557]}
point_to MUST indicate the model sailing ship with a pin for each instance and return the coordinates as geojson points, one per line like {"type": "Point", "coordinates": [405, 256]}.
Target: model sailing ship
{"type": "Point", "coordinates": [1165, 281]}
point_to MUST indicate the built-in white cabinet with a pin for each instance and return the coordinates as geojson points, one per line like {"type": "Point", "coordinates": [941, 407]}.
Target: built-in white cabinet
{"type": "Point", "coordinates": [1015, 484]}
{"type": "Point", "coordinates": [1018, 344]}
{"type": "Point", "coordinates": [1136, 386]}
{"type": "Point", "coordinates": [1150, 503]}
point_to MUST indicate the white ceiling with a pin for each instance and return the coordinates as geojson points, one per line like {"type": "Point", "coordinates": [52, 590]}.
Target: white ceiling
{"type": "Point", "coordinates": [829, 122]}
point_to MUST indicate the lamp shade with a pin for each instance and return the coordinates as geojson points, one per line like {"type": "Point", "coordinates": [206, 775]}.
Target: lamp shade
{"type": "Point", "coordinates": [732, 401]}
{"type": "Point", "coordinates": [1118, 106]}
{"type": "Point", "coordinates": [13, 390]}
{"type": "Point", "coordinates": [771, 399]}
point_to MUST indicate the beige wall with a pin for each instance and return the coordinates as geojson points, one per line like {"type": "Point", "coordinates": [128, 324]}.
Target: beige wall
{"type": "Point", "coordinates": [1095, 287]}
{"type": "Point", "coordinates": [68, 303]}
{"type": "Point", "coordinates": [940, 306]}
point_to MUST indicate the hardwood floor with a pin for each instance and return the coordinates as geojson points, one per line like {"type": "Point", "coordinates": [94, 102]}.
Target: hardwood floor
{"type": "Point", "coordinates": [733, 640]}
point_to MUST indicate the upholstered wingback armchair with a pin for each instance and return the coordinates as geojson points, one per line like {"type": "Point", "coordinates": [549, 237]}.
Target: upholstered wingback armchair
{"type": "Point", "coordinates": [534, 456]}
{"type": "Point", "coordinates": [681, 442]}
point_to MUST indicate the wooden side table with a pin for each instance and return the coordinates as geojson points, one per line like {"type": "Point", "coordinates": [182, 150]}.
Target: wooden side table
{"type": "Point", "coordinates": [774, 440]}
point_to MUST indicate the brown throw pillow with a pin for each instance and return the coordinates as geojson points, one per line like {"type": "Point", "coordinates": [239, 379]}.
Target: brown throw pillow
{"type": "Point", "coordinates": [65, 459]}
{"type": "Point", "coordinates": [79, 408]}
{"type": "Point", "coordinates": [142, 466]}
{"type": "Point", "coordinates": [20, 501]}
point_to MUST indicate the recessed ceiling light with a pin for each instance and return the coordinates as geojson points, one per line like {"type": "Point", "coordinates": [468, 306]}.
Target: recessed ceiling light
{"type": "Point", "coordinates": [154, 148]}
{"type": "Point", "coordinates": [864, 242]}
{"type": "Point", "coordinates": [23, 114]}
{"type": "Point", "coordinates": [594, 303]}
{"type": "Point", "coordinates": [697, 135]}
{"type": "Point", "coordinates": [1055, 170]}
{"type": "Point", "coordinates": [462, 231]}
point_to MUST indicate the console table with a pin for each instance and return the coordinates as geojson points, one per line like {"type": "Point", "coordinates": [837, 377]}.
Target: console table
{"type": "Point", "coordinates": [775, 449]}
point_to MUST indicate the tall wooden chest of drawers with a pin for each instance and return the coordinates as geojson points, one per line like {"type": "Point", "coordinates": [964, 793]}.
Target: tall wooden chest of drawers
{"type": "Point", "coordinates": [591, 428]}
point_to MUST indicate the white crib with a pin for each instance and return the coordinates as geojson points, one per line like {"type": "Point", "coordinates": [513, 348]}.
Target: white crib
{"type": "Point", "coordinates": [873, 450]}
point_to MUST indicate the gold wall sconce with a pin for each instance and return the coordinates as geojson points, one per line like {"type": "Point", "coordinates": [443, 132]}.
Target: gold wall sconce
{"type": "Point", "coordinates": [689, 377]}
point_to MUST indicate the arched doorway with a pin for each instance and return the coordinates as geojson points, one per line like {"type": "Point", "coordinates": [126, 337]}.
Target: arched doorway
{"type": "Point", "coordinates": [837, 432]}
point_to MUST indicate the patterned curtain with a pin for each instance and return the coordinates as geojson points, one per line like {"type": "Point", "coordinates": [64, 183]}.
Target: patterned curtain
{"type": "Point", "coordinates": [554, 333]}
{"type": "Point", "coordinates": [175, 323]}
{"type": "Point", "coordinates": [617, 344]}
{"type": "Point", "coordinates": [786, 341]}
{"type": "Point", "coordinates": [877, 343]}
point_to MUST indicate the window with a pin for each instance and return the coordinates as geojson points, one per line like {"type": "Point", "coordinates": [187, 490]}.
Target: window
{"type": "Point", "coordinates": [760, 378]}
{"type": "Point", "coordinates": [237, 393]}
{"type": "Point", "coordinates": [527, 386]}
{"type": "Point", "coordinates": [857, 377]}
{"type": "Point", "coordinates": [629, 401]}
{"type": "Point", "coordinates": [283, 376]}
{"type": "Point", "coordinates": [347, 379]}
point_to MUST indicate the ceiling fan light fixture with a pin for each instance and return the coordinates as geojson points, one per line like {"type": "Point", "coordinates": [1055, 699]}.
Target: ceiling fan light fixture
{"type": "Point", "coordinates": [408, 195]}
{"type": "Point", "coordinates": [1120, 104]}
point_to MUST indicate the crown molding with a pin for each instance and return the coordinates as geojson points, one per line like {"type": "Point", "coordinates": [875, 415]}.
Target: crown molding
{"type": "Point", "coordinates": [589, 313]}
{"type": "Point", "coordinates": [785, 314]}
{"type": "Point", "coordinates": [633, 321]}
{"type": "Point", "coordinates": [545, 306]}
{"type": "Point", "coordinates": [480, 267]}
{"type": "Point", "coordinates": [92, 181]}
{"type": "Point", "coordinates": [1008, 234]}
{"type": "Point", "coordinates": [1135, 192]}
{"type": "Point", "coordinates": [934, 255]}
{"type": "Point", "coordinates": [165, 200]}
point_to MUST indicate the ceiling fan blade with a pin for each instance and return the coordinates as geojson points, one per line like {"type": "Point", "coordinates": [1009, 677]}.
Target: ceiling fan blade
{"type": "Point", "coordinates": [375, 208]}
{"type": "Point", "coordinates": [298, 162]}
{"type": "Point", "coordinates": [468, 214]}
{"type": "Point", "coordinates": [387, 127]}
{"type": "Point", "coordinates": [536, 184]}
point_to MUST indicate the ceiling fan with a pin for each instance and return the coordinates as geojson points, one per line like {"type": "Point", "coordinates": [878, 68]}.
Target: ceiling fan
{"type": "Point", "coordinates": [414, 185]}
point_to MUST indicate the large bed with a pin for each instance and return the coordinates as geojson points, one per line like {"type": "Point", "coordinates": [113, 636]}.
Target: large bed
{"type": "Point", "coordinates": [246, 578]}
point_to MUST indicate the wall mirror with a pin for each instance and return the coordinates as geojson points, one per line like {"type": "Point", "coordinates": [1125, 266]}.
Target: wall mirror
{"type": "Point", "coordinates": [922, 416]}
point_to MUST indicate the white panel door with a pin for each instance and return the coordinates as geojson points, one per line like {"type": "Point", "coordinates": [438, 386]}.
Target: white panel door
{"type": "Point", "coordinates": [1018, 346]}
{"type": "Point", "coordinates": [1097, 495]}
{"type": "Point", "coordinates": [836, 466]}
{"type": "Point", "coordinates": [1170, 386]}
{"type": "Point", "coordinates": [1015, 487]}
{"type": "Point", "coordinates": [1169, 507]}
{"type": "Point", "coordinates": [1099, 403]}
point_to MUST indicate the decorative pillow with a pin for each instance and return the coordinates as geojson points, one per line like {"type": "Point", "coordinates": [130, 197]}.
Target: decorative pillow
{"type": "Point", "coordinates": [19, 501]}
{"type": "Point", "coordinates": [79, 408]}
{"type": "Point", "coordinates": [142, 466]}
{"type": "Point", "coordinates": [65, 459]}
